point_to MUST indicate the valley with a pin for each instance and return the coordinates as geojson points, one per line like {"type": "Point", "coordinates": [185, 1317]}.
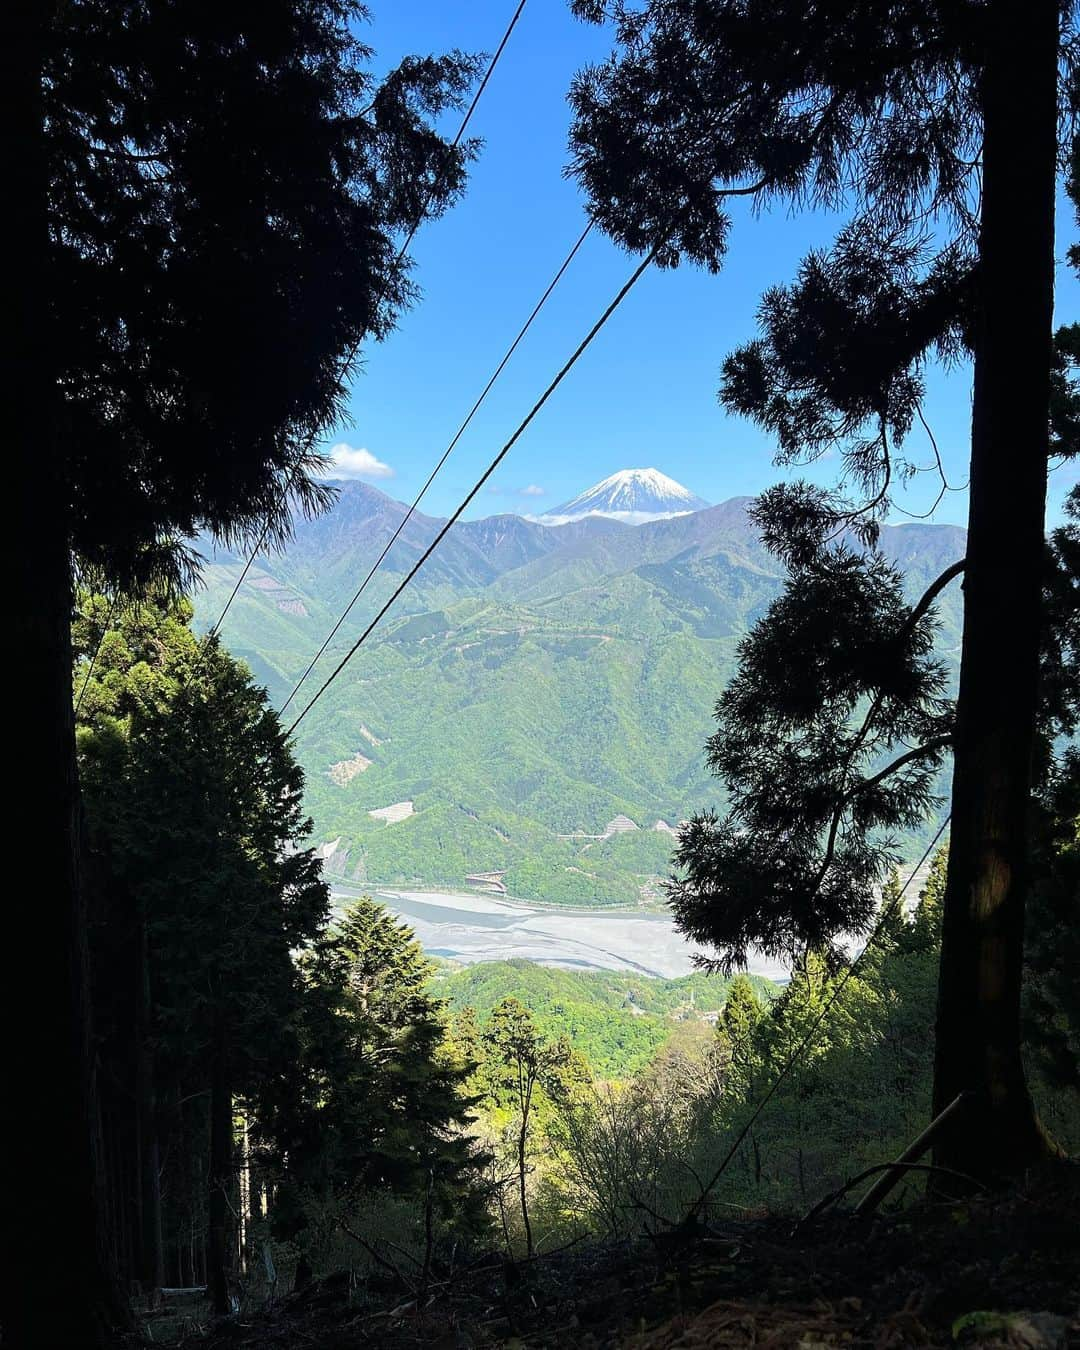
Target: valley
{"type": "Point", "coordinates": [532, 715]}
{"type": "Point", "coordinates": [469, 929]}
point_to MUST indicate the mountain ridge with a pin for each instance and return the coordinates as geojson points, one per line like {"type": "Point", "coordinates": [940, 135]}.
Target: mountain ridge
{"type": "Point", "coordinates": [532, 684]}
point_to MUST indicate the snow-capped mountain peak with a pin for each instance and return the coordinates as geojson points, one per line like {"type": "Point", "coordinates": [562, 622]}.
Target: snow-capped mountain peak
{"type": "Point", "coordinates": [633, 495]}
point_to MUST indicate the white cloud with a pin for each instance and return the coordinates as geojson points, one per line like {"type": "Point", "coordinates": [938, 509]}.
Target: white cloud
{"type": "Point", "coordinates": [531, 491]}
{"type": "Point", "coordinates": [495, 490]}
{"type": "Point", "coordinates": [350, 462]}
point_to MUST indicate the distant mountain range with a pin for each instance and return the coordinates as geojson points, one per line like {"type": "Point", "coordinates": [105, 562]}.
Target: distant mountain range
{"type": "Point", "coordinates": [532, 713]}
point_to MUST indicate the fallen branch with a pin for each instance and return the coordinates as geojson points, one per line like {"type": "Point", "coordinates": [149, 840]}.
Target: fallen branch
{"type": "Point", "coordinates": [912, 1153]}
{"type": "Point", "coordinates": [376, 1256]}
{"type": "Point", "coordinates": [841, 1191]}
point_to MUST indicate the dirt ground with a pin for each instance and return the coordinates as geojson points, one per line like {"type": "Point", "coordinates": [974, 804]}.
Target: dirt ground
{"type": "Point", "coordinates": [999, 1272]}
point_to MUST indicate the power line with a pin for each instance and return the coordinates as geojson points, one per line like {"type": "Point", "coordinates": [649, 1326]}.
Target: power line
{"type": "Point", "coordinates": [445, 456]}
{"type": "Point", "coordinates": [612, 307]}
{"type": "Point", "coordinates": [428, 198]}
{"type": "Point", "coordinates": [795, 1055]}
{"type": "Point", "coordinates": [551, 388]}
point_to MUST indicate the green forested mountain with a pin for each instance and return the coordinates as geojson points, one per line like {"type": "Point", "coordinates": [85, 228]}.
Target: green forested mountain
{"type": "Point", "coordinates": [617, 1021]}
{"type": "Point", "coordinates": [533, 684]}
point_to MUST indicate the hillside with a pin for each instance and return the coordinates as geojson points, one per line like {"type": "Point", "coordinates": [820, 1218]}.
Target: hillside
{"type": "Point", "coordinates": [617, 1021]}
{"type": "Point", "coordinates": [533, 685]}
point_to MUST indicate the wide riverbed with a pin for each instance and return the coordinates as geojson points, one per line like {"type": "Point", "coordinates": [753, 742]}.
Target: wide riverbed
{"type": "Point", "coordinates": [470, 928]}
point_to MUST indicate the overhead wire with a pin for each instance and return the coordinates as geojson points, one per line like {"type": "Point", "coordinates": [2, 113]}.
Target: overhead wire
{"type": "Point", "coordinates": [444, 457]}
{"type": "Point", "coordinates": [645, 263]}
{"type": "Point", "coordinates": [498, 459]}
{"type": "Point", "coordinates": [422, 214]}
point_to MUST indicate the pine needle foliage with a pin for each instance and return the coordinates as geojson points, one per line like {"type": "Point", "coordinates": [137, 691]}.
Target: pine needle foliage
{"type": "Point", "coordinates": [225, 187]}
{"type": "Point", "coordinates": [836, 676]}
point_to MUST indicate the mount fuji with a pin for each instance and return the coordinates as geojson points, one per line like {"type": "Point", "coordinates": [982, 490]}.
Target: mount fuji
{"type": "Point", "coordinates": [631, 495]}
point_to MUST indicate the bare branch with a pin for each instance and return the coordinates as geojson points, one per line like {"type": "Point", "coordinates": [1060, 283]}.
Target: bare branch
{"type": "Point", "coordinates": [375, 1255]}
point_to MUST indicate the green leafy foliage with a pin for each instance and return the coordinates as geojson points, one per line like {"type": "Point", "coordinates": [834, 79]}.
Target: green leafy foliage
{"type": "Point", "coordinates": [224, 196]}
{"type": "Point", "coordinates": [194, 808]}
{"type": "Point", "coordinates": [381, 1108]}
{"type": "Point", "coordinates": [527, 1077]}
{"type": "Point", "coordinates": [200, 889]}
{"type": "Point", "coordinates": [911, 128]}
{"type": "Point", "coordinates": [617, 1021]}
{"type": "Point", "coordinates": [209, 206]}
{"type": "Point", "coordinates": [532, 689]}
{"type": "Point", "coordinates": [214, 970]}
{"type": "Point", "coordinates": [854, 1097]}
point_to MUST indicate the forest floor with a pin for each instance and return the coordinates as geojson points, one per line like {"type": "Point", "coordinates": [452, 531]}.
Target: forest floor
{"type": "Point", "coordinates": [1002, 1272]}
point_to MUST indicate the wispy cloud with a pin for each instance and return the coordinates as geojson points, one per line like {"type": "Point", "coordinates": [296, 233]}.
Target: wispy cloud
{"type": "Point", "coordinates": [356, 462]}
{"type": "Point", "coordinates": [531, 491]}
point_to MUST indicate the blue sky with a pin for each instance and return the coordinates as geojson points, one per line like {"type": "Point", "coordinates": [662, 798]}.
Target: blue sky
{"type": "Point", "coordinates": [645, 392]}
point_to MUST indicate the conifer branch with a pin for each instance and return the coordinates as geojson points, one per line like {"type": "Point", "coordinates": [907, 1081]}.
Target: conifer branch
{"type": "Point", "coordinates": [929, 748]}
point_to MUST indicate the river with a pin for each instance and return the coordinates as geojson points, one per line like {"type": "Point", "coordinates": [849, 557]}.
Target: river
{"type": "Point", "coordinates": [471, 928]}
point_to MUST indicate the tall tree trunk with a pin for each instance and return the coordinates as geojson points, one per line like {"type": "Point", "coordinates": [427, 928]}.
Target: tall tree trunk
{"type": "Point", "coordinates": [151, 1251]}
{"type": "Point", "coordinates": [52, 1153]}
{"type": "Point", "coordinates": [221, 1161]}
{"type": "Point", "coordinates": [978, 1027]}
{"type": "Point", "coordinates": [522, 1146]}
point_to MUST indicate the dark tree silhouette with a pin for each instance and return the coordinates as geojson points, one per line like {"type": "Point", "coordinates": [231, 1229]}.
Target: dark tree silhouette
{"type": "Point", "coordinates": [378, 1105]}
{"type": "Point", "coordinates": [204, 200]}
{"type": "Point", "coordinates": [833, 729]}
{"type": "Point", "coordinates": [210, 828]}
{"type": "Point", "coordinates": [934, 125]}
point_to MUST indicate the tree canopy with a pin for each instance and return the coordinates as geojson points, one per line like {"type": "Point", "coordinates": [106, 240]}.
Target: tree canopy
{"type": "Point", "coordinates": [207, 201]}
{"type": "Point", "coordinates": [909, 122]}
{"type": "Point", "coordinates": [382, 1105]}
{"type": "Point", "coordinates": [836, 675]}
{"type": "Point", "coordinates": [225, 190]}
